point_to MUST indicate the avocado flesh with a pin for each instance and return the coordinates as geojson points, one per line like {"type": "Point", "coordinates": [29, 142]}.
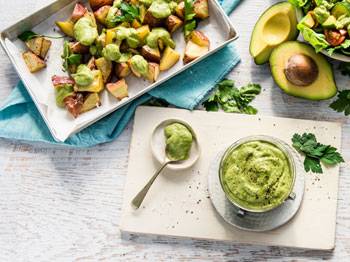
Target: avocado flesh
{"type": "Point", "coordinates": [324, 87]}
{"type": "Point", "coordinates": [275, 26]}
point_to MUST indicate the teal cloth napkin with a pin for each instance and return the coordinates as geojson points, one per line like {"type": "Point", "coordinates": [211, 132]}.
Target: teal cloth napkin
{"type": "Point", "coordinates": [20, 119]}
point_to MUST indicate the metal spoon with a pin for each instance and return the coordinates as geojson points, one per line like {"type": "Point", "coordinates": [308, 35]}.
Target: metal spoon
{"type": "Point", "coordinates": [158, 150]}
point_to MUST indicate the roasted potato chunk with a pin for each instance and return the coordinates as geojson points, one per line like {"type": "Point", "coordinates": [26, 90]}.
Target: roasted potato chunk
{"type": "Point", "coordinates": [78, 48]}
{"type": "Point", "coordinates": [151, 20]}
{"type": "Point", "coordinates": [33, 62]}
{"type": "Point", "coordinates": [193, 51]}
{"type": "Point", "coordinates": [180, 10]}
{"type": "Point", "coordinates": [91, 101]}
{"type": "Point", "coordinates": [173, 23]}
{"type": "Point", "coordinates": [96, 4]}
{"type": "Point", "coordinates": [151, 54]}
{"type": "Point", "coordinates": [45, 48]}
{"type": "Point", "coordinates": [153, 72]}
{"type": "Point", "coordinates": [169, 59]}
{"type": "Point", "coordinates": [66, 27]}
{"type": "Point", "coordinates": [199, 38]}
{"type": "Point", "coordinates": [122, 70]}
{"type": "Point", "coordinates": [101, 14]}
{"type": "Point", "coordinates": [78, 12]}
{"type": "Point", "coordinates": [142, 32]}
{"type": "Point", "coordinates": [35, 45]}
{"type": "Point", "coordinates": [201, 9]}
{"type": "Point", "coordinates": [119, 89]}
{"type": "Point", "coordinates": [106, 67]}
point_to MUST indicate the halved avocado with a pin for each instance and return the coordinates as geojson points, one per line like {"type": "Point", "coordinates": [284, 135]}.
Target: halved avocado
{"type": "Point", "coordinates": [299, 71]}
{"type": "Point", "coordinates": [276, 25]}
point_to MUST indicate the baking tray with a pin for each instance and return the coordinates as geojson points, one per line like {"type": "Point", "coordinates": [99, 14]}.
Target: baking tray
{"type": "Point", "coordinates": [218, 28]}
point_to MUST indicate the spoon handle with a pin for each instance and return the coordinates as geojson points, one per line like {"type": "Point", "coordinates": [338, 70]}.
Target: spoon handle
{"type": "Point", "coordinates": [137, 201]}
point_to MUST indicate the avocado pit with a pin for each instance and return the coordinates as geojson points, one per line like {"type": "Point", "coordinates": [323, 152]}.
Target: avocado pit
{"type": "Point", "coordinates": [301, 70]}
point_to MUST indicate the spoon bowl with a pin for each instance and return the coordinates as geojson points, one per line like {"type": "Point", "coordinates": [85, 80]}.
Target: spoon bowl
{"type": "Point", "coordinates": [158, 145]}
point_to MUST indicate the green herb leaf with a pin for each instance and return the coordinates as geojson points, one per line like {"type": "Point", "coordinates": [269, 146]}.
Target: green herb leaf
{"type": "Point", "coordinates": [129, 13]}
{"type": "Point", "coordinates": [342, 104]}
{"type": "Point", "coordinates": [27, 35]}
{"type": "Point", "coordinates": [231, 99]}
{"type": "Point", "coordinates": [211, 106]}
{"type": "Point", "coordinates": [69, 58]}
{"type": "Point", "coordinates": [315, 153]}
{"type": "Point", "coordinates": [190, 22]}
{"type": "Point", "coordinates": [313, 165]}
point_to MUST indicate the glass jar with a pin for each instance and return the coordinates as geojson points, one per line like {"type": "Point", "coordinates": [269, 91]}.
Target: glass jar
{"type": "Point", "coordinates": [283, 147]}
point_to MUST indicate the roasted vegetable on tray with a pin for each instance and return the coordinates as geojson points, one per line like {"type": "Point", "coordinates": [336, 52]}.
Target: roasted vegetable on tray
{"type": "Point", "coordinates": [118, 38]}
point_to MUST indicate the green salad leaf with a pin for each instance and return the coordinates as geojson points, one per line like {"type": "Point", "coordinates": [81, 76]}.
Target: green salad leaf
{"type": "Point", "coordinates": [318, 41]}
{"type": "Point", "coordinates": [342, 104]}
{"type": "Point", "coordinates": [231, 99]}
{"type": "Point", "coordinates": [315, 153]}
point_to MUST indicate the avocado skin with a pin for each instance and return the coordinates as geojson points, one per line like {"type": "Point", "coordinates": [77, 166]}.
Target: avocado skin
{"type": "Point", "coordinates": [324, 87]}
{"type": "Point", "coordinates": [264, 56]}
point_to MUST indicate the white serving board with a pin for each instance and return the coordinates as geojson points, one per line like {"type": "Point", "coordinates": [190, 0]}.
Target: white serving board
{"type": "Point", "coordinates": [178, 203]}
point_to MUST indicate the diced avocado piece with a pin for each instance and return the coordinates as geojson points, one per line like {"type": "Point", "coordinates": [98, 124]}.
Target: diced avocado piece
{"type": "Point", "coordinates": [299, 71]}
{"type": "Point", "coordinates": [91, 101]}
{"type": "Point", "coordinates": [276, 25]}
{"type": "Point", "coordinates": [330, 22]}
{"type": "Point", "coordinates": [341, 8]}
{"type": "Point", "coordinates": [61, 92]}
{"type": "Point", "coordinates": [119, 89]}
{"type": "Point", "coordinates": [95, 87]}
{"type": "Point", "coordinates": [308, 20]}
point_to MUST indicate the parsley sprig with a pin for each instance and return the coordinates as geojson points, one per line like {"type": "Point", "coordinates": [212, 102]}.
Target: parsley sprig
{"type": "Point", "coordinates": [190, 22]}
{"type": "Point", "coordinates": [231, 99]}
{"type": "Point", "coordinates": [315, 153]}
{"type": "Point", "coordinates": [69, 58]}
{"type": "Point", "coordinates": [128, 13]}
{"type": "Point", "coordinates": [342, 104]}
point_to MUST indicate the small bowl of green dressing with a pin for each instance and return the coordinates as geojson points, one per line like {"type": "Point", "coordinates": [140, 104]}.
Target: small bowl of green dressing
{"type": "Point", "coordinates": [175, 140]}
{"type": "Point", "coordinates": [257, 173]}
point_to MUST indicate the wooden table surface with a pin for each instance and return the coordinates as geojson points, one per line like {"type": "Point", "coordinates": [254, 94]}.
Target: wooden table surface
{"type": "Point", "coordinates": [65, 204]}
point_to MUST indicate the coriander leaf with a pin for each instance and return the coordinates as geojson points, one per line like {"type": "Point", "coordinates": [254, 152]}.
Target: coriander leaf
{"type": "Point", "coordinates": [249, 110]}
{"type": "Point", "coordinates": [331, 156]}
{"type": "Point", "coordinates": [315, 152]}
{"type": "Point", "coordinates": [27, 35]}
{"type": "Point", "coordinates": [189, 18]}
{"type": "Point", "coordinates": [231, 99]}
{"type": "Point", "coordinates": [342, 104]}
{"type": "Point", "coordinates": [211, 106]}
{"type": "Point", "coordinates": [230, 107]}
{"type": "Point", "coordinates": [74, 59]}
{"type": "Point", "coordinates": [128, 13]}
{"type": "Point", "coordinates": [313, 165]}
